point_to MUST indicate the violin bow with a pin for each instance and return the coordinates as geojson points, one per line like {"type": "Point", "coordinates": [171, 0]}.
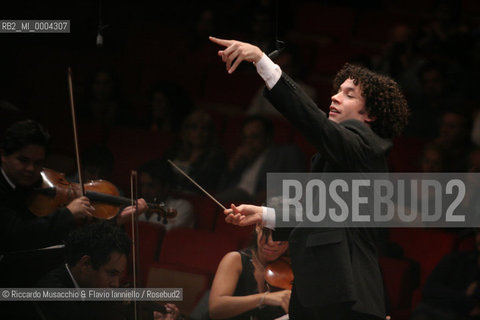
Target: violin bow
{"type": "Point", "coordinates": [75, 137]}
{"type": "Point", "coordinates": [135, 244]}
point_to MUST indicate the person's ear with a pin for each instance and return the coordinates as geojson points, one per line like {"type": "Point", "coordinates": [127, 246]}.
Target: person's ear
{"type": "Point", "coordinates": [85, 262]}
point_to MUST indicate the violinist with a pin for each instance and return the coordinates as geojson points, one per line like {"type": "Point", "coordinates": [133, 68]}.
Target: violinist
{"type": "Point", "coordinates": [23, 151]}
{"type": "Point", "coordinates": [240, 290]}
{"type": "Point", "coordinates": [96, 257]}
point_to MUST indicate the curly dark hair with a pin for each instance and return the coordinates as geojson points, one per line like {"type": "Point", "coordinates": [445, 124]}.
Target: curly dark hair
{"type": "Point", "coordinates": [383, 99]}
{"type": "Point", "coordinates": [98, 241]}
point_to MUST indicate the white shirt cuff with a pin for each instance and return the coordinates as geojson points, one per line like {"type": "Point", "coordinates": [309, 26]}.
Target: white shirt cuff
{"type": "Point", "coordinates": [268, 218]}
{"type": "Point", "coordinates": [269, 71]}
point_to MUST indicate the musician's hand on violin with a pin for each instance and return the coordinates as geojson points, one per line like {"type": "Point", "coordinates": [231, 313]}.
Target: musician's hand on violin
{"type": "Point", "coordinates": [126, 214]}
{"type": "Point", "coordinates": [172, 313]}
{"type": "Point", "coordinates": [237, 52]}
{"type": "Point", "coordinates": [278, 298]}
{"type": "Point", "coordinates": [81, 207]}
{"type": "Point", "coordinates": [244, 215]}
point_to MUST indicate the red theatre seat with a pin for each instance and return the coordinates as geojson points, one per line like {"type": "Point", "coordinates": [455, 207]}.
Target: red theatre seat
{"type": "Point", "coordinates": [205, 210]}
{"type": "Point", "coordinates": [399, 282]}
{"type": "Point", "coordinates": [150, 236]}
{"type": "Point", "coordinates": [427, 246]}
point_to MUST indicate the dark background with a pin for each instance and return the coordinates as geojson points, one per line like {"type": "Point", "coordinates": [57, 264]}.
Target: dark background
{"type": "Point", "coordinates": [148, 42]}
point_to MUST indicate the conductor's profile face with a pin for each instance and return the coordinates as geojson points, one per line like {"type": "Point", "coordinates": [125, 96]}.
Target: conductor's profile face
{"type": "Point", "coordinates": [348, 103]}
{"type": "Point", "coordinates": [23, 167]}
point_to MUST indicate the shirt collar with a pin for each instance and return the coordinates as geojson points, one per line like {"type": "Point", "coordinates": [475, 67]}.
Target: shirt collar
{"type": "Point", "coordinates": [71, 276]}
{"type": "Point", "coordinates": [7, 179]}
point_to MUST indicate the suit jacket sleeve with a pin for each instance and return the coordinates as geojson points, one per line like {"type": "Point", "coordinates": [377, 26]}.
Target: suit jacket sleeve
{"type": "Point", "coordinates": [342, 145]}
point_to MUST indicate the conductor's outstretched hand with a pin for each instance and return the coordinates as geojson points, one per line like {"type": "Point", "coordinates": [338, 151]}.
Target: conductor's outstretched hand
{"type": "Point", "coordinates": [244, 215]}
{"type": "Point", "coordinates": [237, 52]}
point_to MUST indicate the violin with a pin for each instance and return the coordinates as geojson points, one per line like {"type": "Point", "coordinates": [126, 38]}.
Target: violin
{"type": "Point", "coordinates": [56, 191]}
{"type": "Point", "coordinates": [279, 273]}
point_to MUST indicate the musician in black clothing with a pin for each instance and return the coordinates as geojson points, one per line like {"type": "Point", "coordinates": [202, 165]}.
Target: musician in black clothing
{"type": "Point", "coordinates": [23, 150]}
{"type": "Point", "coordinates": [96, 257]}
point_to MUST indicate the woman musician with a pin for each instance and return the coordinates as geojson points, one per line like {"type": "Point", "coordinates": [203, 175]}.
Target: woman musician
{"type": "Point", "coordinates": [240, 290]}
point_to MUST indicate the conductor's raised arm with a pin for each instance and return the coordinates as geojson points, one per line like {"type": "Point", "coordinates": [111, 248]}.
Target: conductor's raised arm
{"type": "Point", "coordinates": [236, 52]}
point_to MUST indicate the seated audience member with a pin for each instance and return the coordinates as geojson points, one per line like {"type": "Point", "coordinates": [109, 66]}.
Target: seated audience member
{"type": "Point", "coordinates": [97, 163]}
{"type": "Point", "coordinates": [246, 178]}
{"type": "Point", "coordinates": [156, 179]}
{"type": "Point", "coordinates": [240, 290]}
{"type": "Point", "coordinates": [430, 102]}
{"type": "Point", "coordinates": [432, 159]}
{"type": "Point", "coordinates": [474, 161]}
{"type": "Point", "coordinates": [454, 140]}
{"type": "Point", "coordinates": [96, 257]}
{"type": "Point", "coordinates": [472, 197]}
{"type": "Point", "coordinates": [169, 106]}
{"type": "Point", "coordinates": [197, 154]}
{"type": "Point", "coordinates": [475, 134]}
{"type": "Point", "coordinates": [104, 104]}
{"type": "Point", "coordinates": [400, 59]}
{"type": "Point", "coordinates": [452, 290]}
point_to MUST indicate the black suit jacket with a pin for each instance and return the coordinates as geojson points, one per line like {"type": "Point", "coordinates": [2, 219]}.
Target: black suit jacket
{"type": "Point", "coordinates": [334, 265]}
{"type": "Point", "coordinates": [21, 229]}
{"type": "Point", "coordinates": [81, 310]}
